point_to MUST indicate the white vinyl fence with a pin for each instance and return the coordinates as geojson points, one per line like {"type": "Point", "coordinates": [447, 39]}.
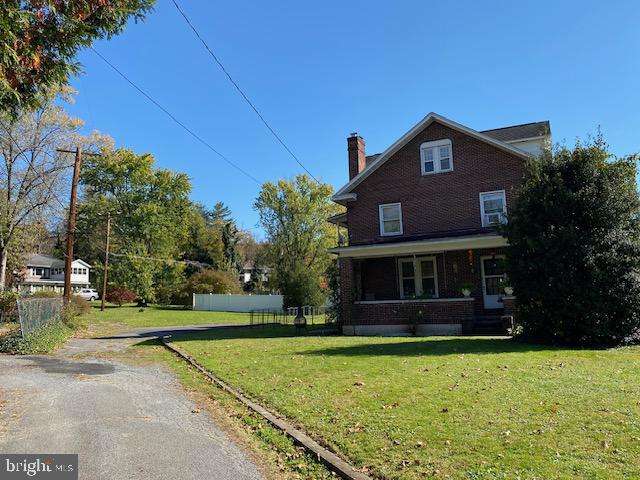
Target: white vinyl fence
{"type": "Point", "coordinates": [236, 303]}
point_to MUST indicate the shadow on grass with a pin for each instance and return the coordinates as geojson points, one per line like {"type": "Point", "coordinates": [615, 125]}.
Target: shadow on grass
{"type": "Point", "coordinates": [110, 306]}
{"type": "Point", "coordinates": [353, 346]}
{"type": "Point", "coordinates": [223, 332]}
{"type": "Point", "coordinates": [181, 308]}
{"type": "Point", "coordinates": [432, 346]}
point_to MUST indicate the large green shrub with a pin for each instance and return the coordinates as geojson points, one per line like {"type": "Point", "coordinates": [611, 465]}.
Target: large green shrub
{"type": "Point", "coordinates": [8, 306]}
{"type": "Point", "coordinates": [75, 312]}
{"type": "Point", "coordinates": [206, 281]}
{"type": "Point", "coordinates": [574, 256]}
{"type": "Point", "coordinates": [46, 294]}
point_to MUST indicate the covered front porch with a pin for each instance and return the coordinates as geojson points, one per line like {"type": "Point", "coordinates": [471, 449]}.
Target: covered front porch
{"type": "Point", "coordinates": [446, 286]}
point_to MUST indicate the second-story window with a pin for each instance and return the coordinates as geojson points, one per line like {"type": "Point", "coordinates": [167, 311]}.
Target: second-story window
{"type": "Point", "coordinates": [436, 157]}
{"type": "Point", "coordinates": [493, 208]}
{"type": "Point", "coordinates": [390, 219]}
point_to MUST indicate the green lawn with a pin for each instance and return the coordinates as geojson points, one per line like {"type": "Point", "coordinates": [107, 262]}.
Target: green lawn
{"type": "Point", "coordinates": [471, 408]}
{"type": "Point", "coordinates": [160, 316]}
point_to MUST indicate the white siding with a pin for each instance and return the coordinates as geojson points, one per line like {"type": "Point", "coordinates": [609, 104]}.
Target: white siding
{"type": "Point", "coordinates": [534, 147]}
{"type": "Point", "coordinates": [236, 303]}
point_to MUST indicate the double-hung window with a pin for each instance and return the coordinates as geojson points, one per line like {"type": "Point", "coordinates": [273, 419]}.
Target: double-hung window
{"type": "Point", "coordinates": [493, 208]}
{"type": "Point", "coordinates": [390, 219]}
{"type": "Point", "coordinates": [418, 278]}
{"type": "Point", "coordinates": [436, 157]}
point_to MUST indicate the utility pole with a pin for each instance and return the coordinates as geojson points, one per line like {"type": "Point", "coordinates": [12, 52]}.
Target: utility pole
{"type": "Point", "coordinates": [71, 227]}
{"type": "Point", "coordinates": [106, 262]}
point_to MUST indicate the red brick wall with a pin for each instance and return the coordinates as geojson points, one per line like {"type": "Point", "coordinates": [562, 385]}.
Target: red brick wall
{"type": "Point", "coordinates": [453, 312]}
{"type": "Point", "coordinates": [346, 289]}
{"type": "Point", "coordinates": [433, 203]}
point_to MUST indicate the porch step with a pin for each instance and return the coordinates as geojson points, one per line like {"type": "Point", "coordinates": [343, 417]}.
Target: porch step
{"type": "Point", "coordinates": [488, 325]}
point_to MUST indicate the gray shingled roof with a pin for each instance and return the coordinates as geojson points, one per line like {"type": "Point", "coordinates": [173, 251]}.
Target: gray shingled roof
{"type": "Point", "coordinates": [518, 132]}
{"type": "Point", "coordinates": [38, 260]}
{"type": "Point", "coordinates": [47, 261]}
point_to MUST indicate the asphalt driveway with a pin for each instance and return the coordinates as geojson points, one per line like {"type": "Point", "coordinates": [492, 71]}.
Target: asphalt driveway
{"type": "Point", "coordinates": [125, 421]}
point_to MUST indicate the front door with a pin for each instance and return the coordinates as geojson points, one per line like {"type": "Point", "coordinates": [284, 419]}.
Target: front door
{"type": "Point", "coordinates": [493, 273]}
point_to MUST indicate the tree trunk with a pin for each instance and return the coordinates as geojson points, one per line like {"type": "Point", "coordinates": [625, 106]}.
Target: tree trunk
{"type": "Point", "coordinates": [3, 268]}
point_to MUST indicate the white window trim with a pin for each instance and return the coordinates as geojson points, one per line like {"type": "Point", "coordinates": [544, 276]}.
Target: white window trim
{"type": "Point", "coordinates": [504, 205]}
{"type": "Point", "coordinates": [417, 274]}
{"type": "Point", "coordinates": [436, 158]}
{"type": "Point", "coordinates": [381, 220]}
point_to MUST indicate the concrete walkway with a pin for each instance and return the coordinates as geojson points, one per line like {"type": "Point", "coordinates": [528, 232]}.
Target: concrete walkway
{"type": "Point", "coordinates": [125, 421]}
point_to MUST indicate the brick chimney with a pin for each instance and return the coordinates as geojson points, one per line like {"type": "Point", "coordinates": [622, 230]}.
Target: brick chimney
{"type": "Point", "coordinates": [357, 157]}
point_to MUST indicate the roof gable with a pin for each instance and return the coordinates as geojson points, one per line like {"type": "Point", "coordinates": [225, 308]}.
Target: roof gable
{"type": "Point", "coordinates": [81, 262]}
{"type": "Point", "coordinates": [345, 193]}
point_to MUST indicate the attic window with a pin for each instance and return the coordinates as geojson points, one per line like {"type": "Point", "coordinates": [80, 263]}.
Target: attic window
{"type": "Point", "coordinates": [436, 157]}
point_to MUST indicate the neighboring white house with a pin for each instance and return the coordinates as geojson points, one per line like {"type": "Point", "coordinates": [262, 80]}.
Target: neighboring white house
{"type": "Point", "coordinates": [44, 272]}
{"type": "Point", "coordinates": [249, 270]}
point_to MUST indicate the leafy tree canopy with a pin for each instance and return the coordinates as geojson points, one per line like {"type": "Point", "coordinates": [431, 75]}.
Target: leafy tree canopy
{"type": "Point", "coordinates": [204, 243]}
{"type": "Point", "coordinates": [34, 174]}
{"type": "Point", "coordinates": [574, 257]}
{"type": "Point", "coordinates": [40, 39]}
{"type": "Point", "coordinates": [149, 207]}
{"type": "Point", "coordinates": [294, 216]}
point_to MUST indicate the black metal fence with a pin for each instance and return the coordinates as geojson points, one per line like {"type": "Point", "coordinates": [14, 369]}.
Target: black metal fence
{"type": "Point", "coordinates": [314, 316]}
{"type": "Point", "coordinates": [34, 313]}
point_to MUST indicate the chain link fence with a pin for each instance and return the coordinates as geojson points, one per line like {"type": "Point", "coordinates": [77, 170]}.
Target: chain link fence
{"type": "Point", "coordinates": [34, 313]}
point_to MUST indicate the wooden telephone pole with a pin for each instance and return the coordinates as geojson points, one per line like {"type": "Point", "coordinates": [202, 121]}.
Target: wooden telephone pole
{"type": "Point", "coordinates": [71, 226]}
{"type": "Point", "coordinates": [106, 262]}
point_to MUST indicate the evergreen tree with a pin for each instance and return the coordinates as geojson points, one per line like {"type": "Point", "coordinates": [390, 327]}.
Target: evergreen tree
{"type": "Point", "coordinates": [574, 256]}
{"type": "Point", "coordinates": [40, 39]}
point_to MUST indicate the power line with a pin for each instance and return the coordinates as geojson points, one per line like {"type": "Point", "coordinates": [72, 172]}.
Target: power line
{"type": "Point", "coordinates": [161, 260]}
{"type": "Point", "coordinates": [172, 117]}
{"type": "Point", "coordinates": [244, 96]}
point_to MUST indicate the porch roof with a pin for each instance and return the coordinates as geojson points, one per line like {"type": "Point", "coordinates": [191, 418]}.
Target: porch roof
{"type": "Point", "coordinates": [48, 281]}
{"type": "Point", "coordinates": [431, 245]}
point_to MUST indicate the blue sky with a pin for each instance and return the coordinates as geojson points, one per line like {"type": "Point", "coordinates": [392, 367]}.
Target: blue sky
{"type": "Point", "coordinates": [320, 70]}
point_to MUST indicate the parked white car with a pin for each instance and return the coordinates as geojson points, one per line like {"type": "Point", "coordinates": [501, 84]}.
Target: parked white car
{"type": "Point", "coordinates": [88, 294]}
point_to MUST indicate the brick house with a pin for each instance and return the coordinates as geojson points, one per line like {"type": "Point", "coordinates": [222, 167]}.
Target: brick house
{"type": "Point", "coordinates": [421, 220]}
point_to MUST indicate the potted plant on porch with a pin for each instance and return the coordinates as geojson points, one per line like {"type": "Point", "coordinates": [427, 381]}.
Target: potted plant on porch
{"type": "Point", "coordinates": [506, 287]}
{"type": "Point", "coordinates": [466, 289]}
